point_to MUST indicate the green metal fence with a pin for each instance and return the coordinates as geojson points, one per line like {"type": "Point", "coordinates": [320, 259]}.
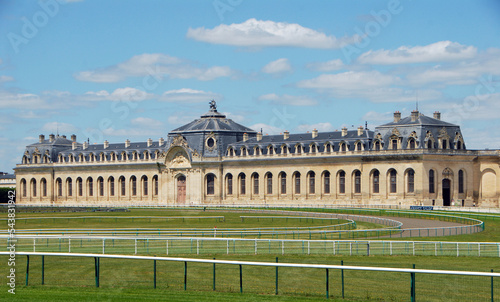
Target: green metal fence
{"type": "Point", "coordinates": [344, 281]}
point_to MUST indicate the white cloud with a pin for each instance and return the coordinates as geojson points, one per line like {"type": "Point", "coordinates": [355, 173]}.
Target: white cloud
{"type": "Point", "coordinates": [181, 118]}
{"type": "Point", "coordinates": [258, 33]}
{"type": "Point", "coordinates": [267, 129]}
{"type": "Point", "coordinates": [4, 78]}
{"type": "Point", "coordinates": [187, 95]}
{"type": "Point", "coordinates": [350, 80]}
{"type": "Point", "coordinates": [321, 127]}
{"type": "Point", "coordinates": [119, 94]}
{"type": "Point", "coordinates": [286, 99]}
{"type": "Point", "coordinates": [58, 127]}
{"type": "Point", "coordinates": [153, 67]}
{"type": "Point", "coordinates": [378, 118]}
{"type": "Point", "coordinates": [279, 66]}
{"type": "Point", "coordinates": [21, 100]}
{"type": "Point", "coordinates": [436, 52]}
{"type": "Point", "coordinates": [331, 65]}
{"type": "Point", "coordinates": [146, 122]}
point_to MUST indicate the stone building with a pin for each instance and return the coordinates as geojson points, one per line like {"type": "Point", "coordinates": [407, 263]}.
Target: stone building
{"type": "Point", "coordinates": [415, 160]}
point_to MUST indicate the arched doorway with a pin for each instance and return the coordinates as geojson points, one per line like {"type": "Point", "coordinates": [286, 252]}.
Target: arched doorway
{"type": "Point", "coordinates": [181, 189]}
{"type": "Point", "coordinates": [446, 192]}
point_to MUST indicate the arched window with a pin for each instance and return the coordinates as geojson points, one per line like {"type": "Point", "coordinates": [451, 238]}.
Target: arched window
{"type": "Point", "coordinates": [69, 186]}
{"type": "Point", "coordinates": [71, 158]}
{"type": "Point", "coordinates": [297, 182]}
{"type": "Point", "coordinates": [102, 157]}
{"type": "Point", "coordinates": [284, 149]}
{"type": "Point", "coordinates": [445, 144]}
{"type": "Point", "coordinates": [269, 181]}
{"type": "Point", "coordinates": [255, 177]}
{"type": "Point", "coordinates": [357, 182]}
{"type": "Point", "coordinates": [312, 148]}
{"type": "Point", "coordinates": [229, 184]}
{"type": "Point", "coordinates": [133, 185]}
{"type": "Point", "coordinates": [43, 184]}
{"type": "Point", "coordinates": [25, 159]}
{"type": "Point", "coordinates": [429, 144]}
{"type": "Point", "coordinates": [343, 147]}
{"type": "Point", "coordinates": [394, 144]}
{"type": "Point", "coordinates": [377, 146]}
{"type": "Point", "coordinates": [121, 180]}
{"type": "Point", "coordinates": [135, 156]}
{"type": "Point", "coordinates": [124, 156]}
{"type": "Point", "coordinates": [144, 180]}
{"type": "Point", "coordinates": [312, 182]}
{"type": "Point", "coordinates": [230, 152]}
{"type": "Point", "coordinates": [111, 181]}
{"type": "Point", "coordinates": [242, 184]}
{"type": "Point", "coordinates": [210, 184]}
{"type": "Point", "coordinates": [376, 182]}
{"type": "Point", "coordinates": [326, 182]}
{"type": "Point", "coordinates": [358, 146]}
{"type": "Point", "coordinates": [298, 149]}
{"type": "Point", "coordinates": [393, 181]}
{"type": "Point", "coordinates": [90, 186]}
{"type": "Point", "coordinates": [33, 187]}
{"type": "Point", "coordinates": [113, 156]}
{"type": "Point", "coordinates": [342, 182]}
{"type": "Point", "coordinates": [243, 151]}
{"type": "Point", "coordinates": [283, 182]}
{"type": "Point", "coordinates": [431, 182]}
{"type": "Point", "coordinates": [79, 184]}
{"type": "Point", "coordinates": [411, 144]}
{"type": "Point", "coordinates": [459, 145]}
{"type": "Point", "coordinates": [23, 187]}
{"type": "Point", "coordinates": [328, 148]}
{"type": "Point", "coordinates": [461, 181]}
{"type": "Point", "coordinates": [155, 185]}
{"type": "Point", "coordinates": [81, 158]}
{"type": "Point", "coordinates": [100, 184]}
{"type": "Point", "coordinates": [59, 187]}
{"type": "Point", "coordinates": [411, 181]}
{"type": "Point", "coordinates": [270, 150]}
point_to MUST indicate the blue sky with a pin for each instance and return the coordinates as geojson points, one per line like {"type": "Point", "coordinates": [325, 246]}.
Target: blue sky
{"type": "Point", "coordinates": [112, 70]}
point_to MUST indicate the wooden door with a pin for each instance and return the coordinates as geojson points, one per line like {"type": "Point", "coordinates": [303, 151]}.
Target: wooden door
{"type": "Point", "coordinates": [181, 190]}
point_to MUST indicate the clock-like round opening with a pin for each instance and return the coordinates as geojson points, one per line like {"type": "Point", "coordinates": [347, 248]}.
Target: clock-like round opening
{"type": "Point", "coordinates": [210, 142]}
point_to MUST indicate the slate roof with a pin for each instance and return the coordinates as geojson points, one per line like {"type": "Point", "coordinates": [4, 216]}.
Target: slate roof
{"type": "Point", "coordinates": [212, 121]}
{"type": "Point", "coordinates": [421, 120]}
{"type": "Point", "coordinates": [7, 176]}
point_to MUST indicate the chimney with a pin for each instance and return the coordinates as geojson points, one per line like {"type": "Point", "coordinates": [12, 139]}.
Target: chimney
{"type": "Point", "coordinates": [161, 142]}
{"type": "Point", "coordinates": [286, 134]}
{"type": "Point", "coordinates": [360, 130]}
{"type": "Point", "coordinates": [41, 138]}
{"type": "Point", "coordinates": [73, 138]}
{"type": "Point", "coordinates": [106, 144]}
{"type": "Point", "coordinates": [259, 136]}
{"type": "Point", "coordinates": [344, 131]}
{"type": "Point", "coordinates": [315, 133]}
{"type": "Point", "coordinates": [150, 142]}
{"type": "Point", "coordinates": [52, 138]}
{"type": "Point", "coordinates": [64, 136]}
{"type": "Point", "coordinates": [127, 143]}
{"type": "Point", "coordinates": [437, 115]}
{"type": "Point", "coordinates": [245, 137]}
{"type": "Point", "coordinates": [397, 116]}
{"type": "Point", "coordinates": [73, 146]}
{"type": "Point", "coordinates": [414, 115]}
{"type": "Point", "coordinates": [85, 145]}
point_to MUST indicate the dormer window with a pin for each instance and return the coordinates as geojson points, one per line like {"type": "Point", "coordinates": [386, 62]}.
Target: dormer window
{"type": "Point", "coordinates": [298, 149]}
{"type": "Point", "coordinates": [313, 148]}
{"type": "Point", "coordinates": [244, 151]}
{"type": "Point", "coordinates": [394, 144]}
{"type": "Point", "coordinates": [328, 148]}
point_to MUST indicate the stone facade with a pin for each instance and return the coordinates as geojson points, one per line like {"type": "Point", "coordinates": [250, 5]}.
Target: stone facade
{"type": "Point", "coordinates": [416, 160]}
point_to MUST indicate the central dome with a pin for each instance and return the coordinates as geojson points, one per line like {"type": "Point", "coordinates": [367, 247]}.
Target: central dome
{"type": "Point", "coordinates": [212, 121]}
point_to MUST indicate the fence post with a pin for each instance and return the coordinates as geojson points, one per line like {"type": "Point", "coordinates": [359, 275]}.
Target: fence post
{"type": "Point", "coordinates": [327, 283]}
{"type": "Point", "coordinates": [214, 276]}
{"type": "Point", "coordinates": [412, 290]}
{"type": "Point", "coordinates": [154, 273]}
{"type": "Point", "coordinates": [241, 280]}
{"type": "Point", "coordinates": [368, 248]}
{"type": "Point", "coordinates": [492, 299]}
{"type": "Point", "coordinates": [43, 269]}
{"type": "Point", "coordinates": [276, 276]}
{"type": "Point", "coordinates": [27, 268]}
{"type": "Point", "coordinates": [96, 268]}
{"type": "Point", "coordinates": [342, 276]}
{"type": "Point", "coordinates": [185, 274]}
